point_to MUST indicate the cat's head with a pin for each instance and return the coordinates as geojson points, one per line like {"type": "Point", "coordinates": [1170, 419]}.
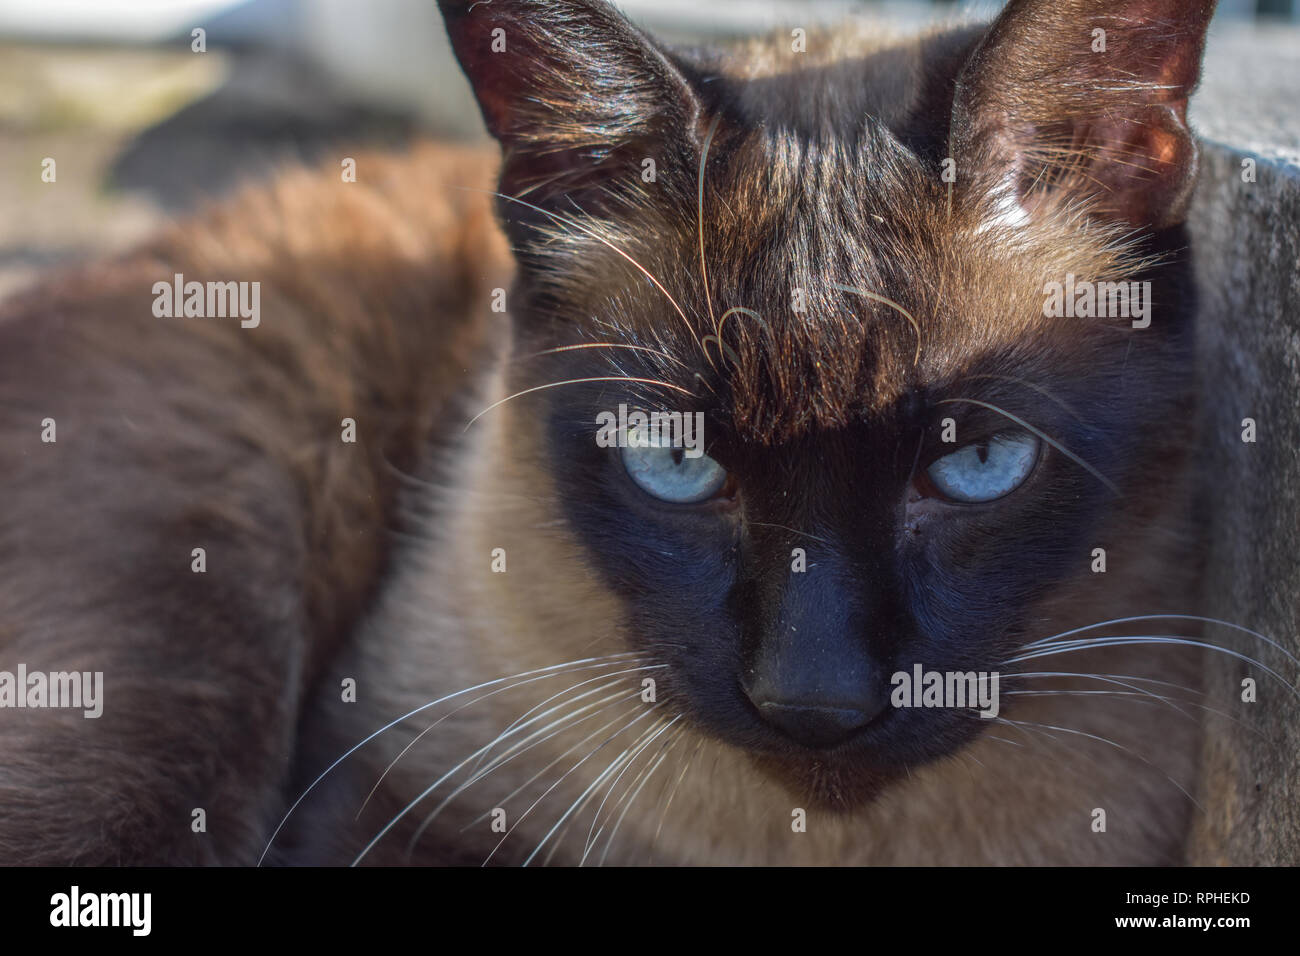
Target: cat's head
{"type": "Point", "coordinates": [846, 259]}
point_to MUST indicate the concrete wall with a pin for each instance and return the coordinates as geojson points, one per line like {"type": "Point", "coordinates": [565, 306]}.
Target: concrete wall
{"type": "Point", "coordinates": [1247, 248]}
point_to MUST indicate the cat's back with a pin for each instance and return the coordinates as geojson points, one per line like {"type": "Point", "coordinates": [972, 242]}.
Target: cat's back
{"type": "Point", "coordinates": [202, 442]}
{"type": "Point", "coordinates": [249, 333]}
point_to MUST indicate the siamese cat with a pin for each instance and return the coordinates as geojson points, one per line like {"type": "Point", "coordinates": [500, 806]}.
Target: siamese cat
{"type": "Point", "coordinates": [782, 455]}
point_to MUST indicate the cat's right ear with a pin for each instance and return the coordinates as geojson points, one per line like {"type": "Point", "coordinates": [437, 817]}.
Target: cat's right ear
{"type": "Point", "coordinates": [576, 95]}
{"type": "Point", "coordinates": [1084, 100]}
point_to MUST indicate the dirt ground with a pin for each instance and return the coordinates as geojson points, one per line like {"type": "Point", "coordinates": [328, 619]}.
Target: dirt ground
{"type": "Point", "coordinates": [138, 135]}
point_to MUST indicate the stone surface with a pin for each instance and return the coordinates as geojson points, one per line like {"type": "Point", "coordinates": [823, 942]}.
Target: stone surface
{"type": "Point", "coordinates": [1246, 238]}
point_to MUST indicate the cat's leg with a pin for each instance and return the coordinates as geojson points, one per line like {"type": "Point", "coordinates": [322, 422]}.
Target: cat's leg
{"type": "Point", "coordinates": [151, 549]}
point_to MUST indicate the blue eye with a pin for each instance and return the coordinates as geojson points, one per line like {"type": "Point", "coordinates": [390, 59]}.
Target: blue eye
{"type": "Point", "coordinates": [669, 473]}
{"type": "Point", "coordinates": [983, 471]}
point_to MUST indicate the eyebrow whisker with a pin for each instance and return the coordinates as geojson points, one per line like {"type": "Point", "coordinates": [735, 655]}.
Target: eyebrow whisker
{"type": "Point", "coordinates": [1044, 436]}
{"type": "Point", "coordinates": [699, 213]}
{"type": "Point", "coordinates": [875, 297]}
{"type": "Point", "coordinates": [570, 221]}
{"type": "Point", "coordinates": [606, 345]}
{"type": "Point", "coordinates": [577, 381]}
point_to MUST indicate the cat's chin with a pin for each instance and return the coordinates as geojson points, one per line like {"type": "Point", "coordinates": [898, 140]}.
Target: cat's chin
{"type": "Point", "coordinates": [823, 786]}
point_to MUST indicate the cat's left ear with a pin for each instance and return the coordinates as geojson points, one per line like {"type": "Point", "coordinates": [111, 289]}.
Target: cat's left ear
{"type": "Point", "coordinates": [576, 95]}
{"type": "Point", "coordinates": [1085, 99]}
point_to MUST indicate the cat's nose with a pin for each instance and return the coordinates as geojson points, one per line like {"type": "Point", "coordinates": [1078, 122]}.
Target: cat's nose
{"type": "Point", "coordinates": [816, 725]}
{"type": "Point", "coordinates": [810, 665]}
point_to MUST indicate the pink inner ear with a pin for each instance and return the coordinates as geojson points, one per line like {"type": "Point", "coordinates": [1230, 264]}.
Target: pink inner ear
{"type": "Point", "coordinates": [1140, 167]}
{"type": "Point", "coordinates": [1136, 164]}
{"type": "Point", "coordinates": [1076, 121]}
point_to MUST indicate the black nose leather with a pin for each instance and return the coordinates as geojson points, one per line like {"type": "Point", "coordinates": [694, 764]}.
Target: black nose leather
{"type": "Point", "coordinates": [814, 725]}
{"type": "Point", "coordinates": [809, 649]}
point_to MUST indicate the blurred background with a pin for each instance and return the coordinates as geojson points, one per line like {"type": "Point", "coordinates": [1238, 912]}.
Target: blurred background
{"type": "Point", "coordinates": [143, 124]}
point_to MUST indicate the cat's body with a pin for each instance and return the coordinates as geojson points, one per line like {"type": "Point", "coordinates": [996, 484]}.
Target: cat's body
{"type": "Point", "coordinates": [329, 562]}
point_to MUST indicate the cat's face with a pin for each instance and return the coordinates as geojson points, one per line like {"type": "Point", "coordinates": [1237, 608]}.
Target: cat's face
{"type": "Point", "coordinates": [904, 451]}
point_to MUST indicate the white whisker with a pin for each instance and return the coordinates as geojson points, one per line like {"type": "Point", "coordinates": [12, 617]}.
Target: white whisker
{"type": "Point", "coordinates": [1065, 647]}
{"type": "Point", "coordinates": [645, 713]}
{"type": "Point", "coordinates": [592, 833]}
{"type": "Point", "coordinates": [540, 736]}
{"type": "Point", "coordinates": [554, 668]}
{"type": "Point", "coordinates": [672, 793]}
{"type": "Point", "coordinates": [1172, 617]}
{"type": "Point", "coordinates": [499, 690]}
{"type": "Point", "coordinates": [664, 751]}
{"type": "Point", "coordinates": [1106, 740]}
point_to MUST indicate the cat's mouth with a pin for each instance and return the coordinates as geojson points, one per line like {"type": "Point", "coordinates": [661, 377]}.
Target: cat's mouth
{"type": "Point", "coordinates": [840, 759]}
